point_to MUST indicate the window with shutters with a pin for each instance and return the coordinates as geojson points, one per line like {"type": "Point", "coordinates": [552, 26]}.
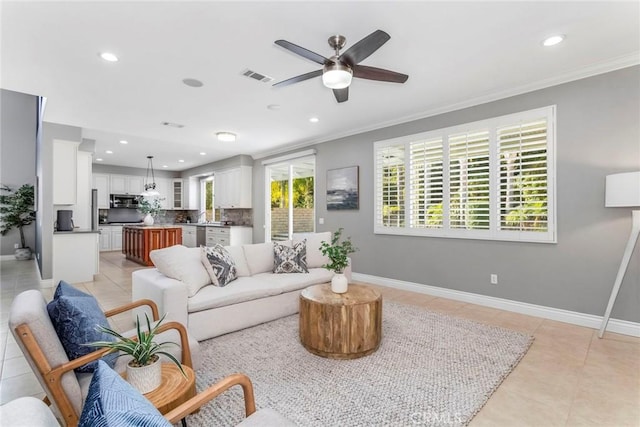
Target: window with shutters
{"type": "Point", "coordinates": [484, 180]}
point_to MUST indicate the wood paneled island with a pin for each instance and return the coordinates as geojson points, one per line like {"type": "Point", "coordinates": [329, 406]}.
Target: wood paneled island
{"type": "Point", "coordinates": [139, 240]}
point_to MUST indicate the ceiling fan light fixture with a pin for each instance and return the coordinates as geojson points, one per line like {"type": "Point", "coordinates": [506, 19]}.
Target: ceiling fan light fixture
{"type": "Point", "coordinates": [337, 76]}
{"type": "Point", "coordinates": [226, 136]}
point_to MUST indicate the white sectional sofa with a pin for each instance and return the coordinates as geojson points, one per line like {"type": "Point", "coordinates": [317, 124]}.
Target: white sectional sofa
{"type": "Point", "coordinates": [258, 295]}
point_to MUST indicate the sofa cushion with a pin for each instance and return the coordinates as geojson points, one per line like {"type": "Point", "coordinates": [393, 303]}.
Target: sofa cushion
{"type": "Point", "coordinates": [240, 290]}
{"type": "Point", "coordinates": [112, 401]}
{"type": "Point", "coordinates": [219, 264]}
{"type": "Point", "coordinates": [294, 281]}
{"type": "Point", "coordinates": [237, 253]}
{"type": "Point", "coordinates": [75, 316]}
{"type": "Point", "coordinates": [315, 259]}
{"type": "Point", "coordinates": [260, 256]}
{"type": "Point", "coordinates": [290, 259]}
{"type": "Point", "coordinates": [183, 264]}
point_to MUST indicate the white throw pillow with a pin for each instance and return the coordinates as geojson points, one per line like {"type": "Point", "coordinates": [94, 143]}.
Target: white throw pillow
{"type": "Point", "coordinates": [260, 256]}
{"type": "Point", "coordinates": [237, 253]}
{"type": "Point", "coordinates": [315, 259]}
{"type": "Point", "coordinates": [183, 264]}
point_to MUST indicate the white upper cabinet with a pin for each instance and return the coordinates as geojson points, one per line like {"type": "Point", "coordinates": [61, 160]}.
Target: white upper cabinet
{"type": "Point", "coordinates": [65, 167]}
{"type": "Point", "coordinates": [101, 183]}
{"type": "Point", "coordinates": [125, 184]}
{"type": "Point", "coordinates": [177, 193]}
{"type": "Point", "coordinates": [163, 186]}
{"type": "Point", "coordinates": [232, 188]}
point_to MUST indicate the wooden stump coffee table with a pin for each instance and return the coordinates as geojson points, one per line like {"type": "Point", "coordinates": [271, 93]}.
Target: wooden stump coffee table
{"type": "Point", "coordinates": [174, 389]}
{"type": "Point", "coordinates": [340, 326]}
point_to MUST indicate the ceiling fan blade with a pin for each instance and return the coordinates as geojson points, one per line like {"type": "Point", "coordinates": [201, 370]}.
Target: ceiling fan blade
{"type": "Point", "coordinates": [305, 53]}
{"type": "Point", "coordinates": [373, 73]}
{"type": "Point", "coordinates": [300, 78]}
{"type": "Point", "coordinates": [341, 94]}
{"type": "Point", "coordinates": [365, 47]}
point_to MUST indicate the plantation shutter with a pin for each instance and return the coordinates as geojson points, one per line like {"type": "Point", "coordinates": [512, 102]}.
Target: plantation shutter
{"type": "Point", "coordinates": [469, 180]}
{"type": "Point", "coordinates": [390, 182]}
{"type": "Point", "coordinates": [523, 176]}
{"type": "Point", "coordinates": [426, 184]}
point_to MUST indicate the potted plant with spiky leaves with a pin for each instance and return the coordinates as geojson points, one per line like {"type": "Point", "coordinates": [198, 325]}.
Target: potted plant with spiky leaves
{"type": "Point", "coordinates": [144, 370]}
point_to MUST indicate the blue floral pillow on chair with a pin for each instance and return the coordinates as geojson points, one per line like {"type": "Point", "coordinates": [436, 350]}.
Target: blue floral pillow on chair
{"type": "Point", "coordinates": [75, 316]}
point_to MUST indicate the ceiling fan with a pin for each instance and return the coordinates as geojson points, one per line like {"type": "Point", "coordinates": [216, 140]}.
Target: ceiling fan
{"type": "Point", "coordinates": [338, 70]}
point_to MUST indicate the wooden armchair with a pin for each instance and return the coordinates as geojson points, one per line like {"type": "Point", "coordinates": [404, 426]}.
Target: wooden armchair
{"type": "Point", "coordinates": [263, 417]}
{"type": "Point", "coordinates": [65, 389]}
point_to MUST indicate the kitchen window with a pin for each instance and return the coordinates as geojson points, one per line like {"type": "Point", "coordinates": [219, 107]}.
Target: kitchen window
{"type": "Point", "coordinates": [491, 180]}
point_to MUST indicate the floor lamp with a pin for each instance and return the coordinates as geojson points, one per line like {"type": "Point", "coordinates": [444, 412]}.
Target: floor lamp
{"type": "Point", "coordinates": [622, 190]}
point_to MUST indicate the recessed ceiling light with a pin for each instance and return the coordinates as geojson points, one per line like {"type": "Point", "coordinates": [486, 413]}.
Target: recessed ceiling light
{"type": "Point", "coordinates": [109, 57]}
{"type": "Point", "coordinates": [109, 152]}
{"type": "Point", "coordinates": [553, 40]}
{"type": "Point", "coordinates": [180, 161]}
{"type": "Point", "coordinates": [98, 159]}
{"type": "Point", "coordinates": [203, 153]}
{"type": "Point", "coordinates": [192, 82]}
{"type": "Point", "coordinates": [123, 141]}
{"type": "Point", "coordinates": [226, 136]}
{"type": "Point", "coordinates": [273, 107]}
{"type": "Point", "coordinates": [314, 120]}
{"type": "Point", "coordinates": [165, 166]}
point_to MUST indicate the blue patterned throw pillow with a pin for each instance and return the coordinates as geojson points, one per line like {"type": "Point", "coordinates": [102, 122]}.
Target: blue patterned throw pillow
{"type": "Point", "coordinates": [75, 316]}
{"type": "Point", "coordinates": [219, 264]}
{"type": "Point", "coordinates": [290, 259]}
{"type": "Point", "coordinates": [111, 401]}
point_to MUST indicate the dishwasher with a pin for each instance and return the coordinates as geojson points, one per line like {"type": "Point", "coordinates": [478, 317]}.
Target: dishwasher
{"type": "Point", "coordinates": [201, 235]}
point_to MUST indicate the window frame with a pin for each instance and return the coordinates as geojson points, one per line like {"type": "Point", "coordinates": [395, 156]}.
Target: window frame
{"type": "Point", "coordinates": [492, 125]}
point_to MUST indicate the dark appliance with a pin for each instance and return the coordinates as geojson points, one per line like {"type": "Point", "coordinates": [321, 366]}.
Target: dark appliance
{"type": "Point", "coordinates": [94, 209]}
{"type": "Point", "coordinates": [65, 220]}
{"type": "Point", "coordinates": [126, 201]}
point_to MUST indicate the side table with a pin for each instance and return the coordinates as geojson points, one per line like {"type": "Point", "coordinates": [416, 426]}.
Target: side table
{"type": "Point", "coordinates": [174, 390]}
{"type": "Point", "coordinates": [340, 326]}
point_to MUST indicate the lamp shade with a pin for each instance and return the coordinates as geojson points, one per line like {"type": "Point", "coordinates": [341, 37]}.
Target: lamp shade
{"type": "Point", "coordinates": [623, 190]}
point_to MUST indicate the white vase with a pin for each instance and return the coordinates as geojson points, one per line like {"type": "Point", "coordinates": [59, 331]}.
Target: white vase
{"type": "Point", "coordinates": [145, 378]}
{"type": "Point", "coordinates": [23, 254]}
{"type": "Point", "coordinates": [339, 283]}
{"type": "Point", "coordinates": [148, 220]}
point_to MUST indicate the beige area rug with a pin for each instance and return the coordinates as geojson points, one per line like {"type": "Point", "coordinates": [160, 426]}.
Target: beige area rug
{"type": "Point", "coordinates": [431, 370]}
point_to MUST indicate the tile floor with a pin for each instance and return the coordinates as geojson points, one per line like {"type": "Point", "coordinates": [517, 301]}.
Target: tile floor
{"type": "Point", "coordinates": [569, 377]}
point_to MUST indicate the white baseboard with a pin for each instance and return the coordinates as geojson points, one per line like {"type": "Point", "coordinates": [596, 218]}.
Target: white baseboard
{"type": "Point", "coordinates": [7, 257]}
{"type": "Point", "coordinates": [581, 319]}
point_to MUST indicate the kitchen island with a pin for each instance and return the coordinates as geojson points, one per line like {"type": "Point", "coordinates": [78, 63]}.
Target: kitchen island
{"type": "Point", "coordinates": [139, 240]}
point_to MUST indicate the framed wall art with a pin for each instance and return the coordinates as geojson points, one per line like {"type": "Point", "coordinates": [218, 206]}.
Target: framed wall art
{"type": "Point", "coordinates": [342, 188]}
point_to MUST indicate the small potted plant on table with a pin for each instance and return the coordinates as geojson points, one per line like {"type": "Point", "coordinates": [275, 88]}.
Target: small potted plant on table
{"type": "Point", "coordinates": [338, 253]}
{"type": "Point", "coordinates": [17, 211]}
{"type": "Point", "coordinates": [144, 371]}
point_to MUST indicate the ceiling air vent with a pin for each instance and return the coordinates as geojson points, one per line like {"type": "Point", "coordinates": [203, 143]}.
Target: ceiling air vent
{"type": "Point", "coordinates": [172, 125]}
{"type": "Point", "coordinates": [256, 76]}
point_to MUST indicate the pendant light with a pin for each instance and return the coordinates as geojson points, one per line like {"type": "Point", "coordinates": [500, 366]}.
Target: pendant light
{"type": "Point", "coordinates": [150, 186]}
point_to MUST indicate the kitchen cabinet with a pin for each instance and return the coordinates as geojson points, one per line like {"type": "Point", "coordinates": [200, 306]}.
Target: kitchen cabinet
{"type": "Point", "coordinates": [163, 186]}
{"type": "Point", "coordinates": [110, 238]}
{"type": "Point", "coordinates": [125, 184]}
{"type": "Point", "coordinates": [101, 183]}
{"type": "Point", "coordinates": [232, 188]}
{"type": "Point", "coordinates": [229, 236]}
{"type": "Point", "coordinates": [75, 256]}
{"type": "Point", "coordinates": [82, 207]}
{"type": "Point", "coordinates": [139, 241]}
{"type": "Point", "coordinates": [189, 238]}
{"type": "Point", "coordinates": [176, 193]}
{"type": "Point", "coordinates": [65, 167]}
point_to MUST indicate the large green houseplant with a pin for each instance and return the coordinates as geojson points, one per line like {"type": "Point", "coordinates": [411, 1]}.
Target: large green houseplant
{"type": "Point", "coordinates": [338, 253]}
{"type": "Point", "coordinates": [16, 211]}
{"type": "Point", "coordinates": [144, 370]}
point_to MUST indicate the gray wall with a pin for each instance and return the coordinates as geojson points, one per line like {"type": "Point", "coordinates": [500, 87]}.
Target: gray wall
{"type": "Point", "coordinates": [45, 217]}
{"type": "Point", "coordinates": [18, 127]}
{"type": "Point", "coordinates": [598, 133]}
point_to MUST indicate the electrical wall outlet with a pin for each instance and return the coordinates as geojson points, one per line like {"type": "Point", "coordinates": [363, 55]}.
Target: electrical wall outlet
{"type": "Point", "coordinates": [16, 245]}
{"type": "Point", "coordinates": [494, 279]}
{"type": "Point", "coordinates": [321, 221]}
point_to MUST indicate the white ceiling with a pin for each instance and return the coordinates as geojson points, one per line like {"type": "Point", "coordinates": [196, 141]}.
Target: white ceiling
{"type": "Point", "coordinates": [455, 53]}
